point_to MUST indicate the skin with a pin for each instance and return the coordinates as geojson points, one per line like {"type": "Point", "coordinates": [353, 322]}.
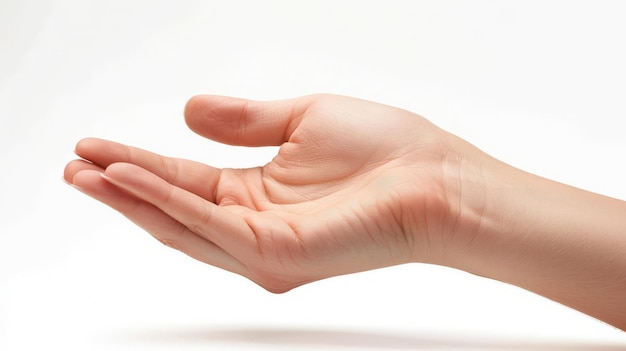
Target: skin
{"type": "Point", "coordinates": [358, 185]}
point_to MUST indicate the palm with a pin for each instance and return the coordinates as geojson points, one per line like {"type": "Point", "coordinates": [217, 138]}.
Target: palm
{"type": "Point", "coordinates": [336, 193]}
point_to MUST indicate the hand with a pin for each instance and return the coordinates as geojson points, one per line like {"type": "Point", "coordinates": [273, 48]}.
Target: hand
{"type": "Point", "coordinates": [355, 186]}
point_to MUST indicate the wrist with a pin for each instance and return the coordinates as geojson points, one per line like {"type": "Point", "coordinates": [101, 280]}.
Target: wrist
{"type": "Point", "coordinates": [467, 176]}
{"type": "Point", "coordinates": [560, 242]}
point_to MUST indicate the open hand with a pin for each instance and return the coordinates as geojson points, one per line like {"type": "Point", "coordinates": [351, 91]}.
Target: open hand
{"type": "Point", "coordinates": [355, 186]}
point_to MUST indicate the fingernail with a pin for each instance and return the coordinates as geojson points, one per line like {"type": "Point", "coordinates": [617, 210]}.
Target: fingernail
{"type": "Point", "coordinates": [108, 179]}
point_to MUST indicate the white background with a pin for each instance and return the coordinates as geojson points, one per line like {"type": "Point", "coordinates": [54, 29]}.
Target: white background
{"type": "Point", "coordinates": [540, 85]}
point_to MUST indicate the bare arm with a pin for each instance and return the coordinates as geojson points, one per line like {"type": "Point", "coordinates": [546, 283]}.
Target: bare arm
{"type": "Point", "coordinates": [561, 242]}
{"type": "Point", "coordinates": [358, 185]}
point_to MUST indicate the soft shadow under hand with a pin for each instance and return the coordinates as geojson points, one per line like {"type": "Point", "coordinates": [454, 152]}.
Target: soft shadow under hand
{"type": "Point", "coordinates": [310, 337]}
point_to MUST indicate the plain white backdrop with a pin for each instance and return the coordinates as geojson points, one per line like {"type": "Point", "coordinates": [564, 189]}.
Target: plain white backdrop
{"type": "Point", "coordinates": [538, 84]}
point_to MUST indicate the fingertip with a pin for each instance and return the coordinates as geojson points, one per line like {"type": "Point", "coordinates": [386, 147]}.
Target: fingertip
{"type": "Point", "coordinates": [209, 116]}
{"type": "Point", "coordinates": [190, 104]}
{"type": "Point", "coordinates": [117, 169]}
{"type": "Point", "coordinates": [195, 105]}
{"type": "Point", "coordinates": [84, 141]}
{"type": "Point", "coordinates": [126, 175]}
{"type": "Point", "coordinates": [86, 180]}
{"type": "Point", "coordinates": [120, 175]}
{"type": "Point", "coordinates": [74, 167]}
{"type": "Point", "coordinates": [69, 171]}
{"type": "Point", "coordinates": [195, 99]}
{"type": "Point", "coordinates": [83, 145]}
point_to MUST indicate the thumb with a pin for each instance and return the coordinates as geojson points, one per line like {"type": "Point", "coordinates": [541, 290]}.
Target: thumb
{"type": "Point", "coordinates": [244, 122]}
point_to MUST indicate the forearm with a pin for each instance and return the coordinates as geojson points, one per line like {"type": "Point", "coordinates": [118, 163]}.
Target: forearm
{"type": "Point", "coordinates": [563, 243]}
